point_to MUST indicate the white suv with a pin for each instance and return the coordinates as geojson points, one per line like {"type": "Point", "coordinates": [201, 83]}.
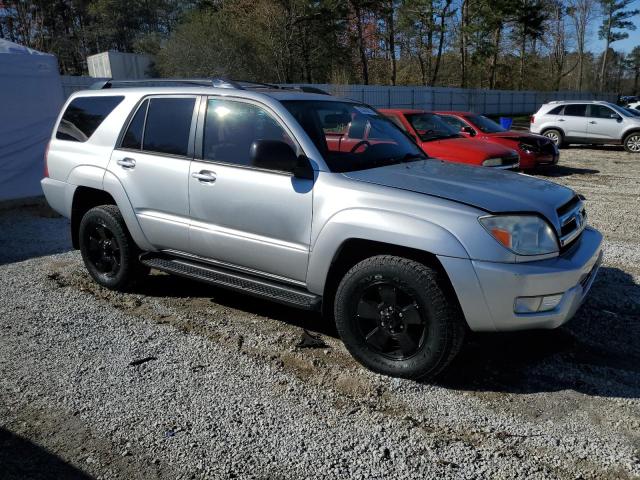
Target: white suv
{"type": "Point", "coordinates": [587, 121]}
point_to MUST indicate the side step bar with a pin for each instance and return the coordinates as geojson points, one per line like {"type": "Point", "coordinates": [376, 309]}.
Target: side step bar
{"type": "Point", "coordinates": [221, 277]}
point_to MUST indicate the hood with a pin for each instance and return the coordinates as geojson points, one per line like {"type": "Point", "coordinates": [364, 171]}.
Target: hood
{"type": "Point", "coordinates": [468, 146]}
{"type": "Point", "coordinates": [494, 191]}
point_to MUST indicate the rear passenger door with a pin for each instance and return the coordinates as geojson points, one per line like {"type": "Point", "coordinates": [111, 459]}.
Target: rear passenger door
{"type": "Point", "coordinates": [242, 216]}
{"type": "Point", "coordinates": [573, 120]}
{"type": "Point", "coordinates": [152, 163]}
{"type": "Point", "coordinates": [604, 123]}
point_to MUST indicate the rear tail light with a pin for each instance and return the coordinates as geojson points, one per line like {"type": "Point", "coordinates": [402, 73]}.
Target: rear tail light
{"type": "Point", "coordinates": [532, 119]}
{"type": "Point", "coordinates": [46, 166]}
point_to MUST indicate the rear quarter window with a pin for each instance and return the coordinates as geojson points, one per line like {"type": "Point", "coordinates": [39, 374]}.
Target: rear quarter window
{"type": "Point", "coordinates": [84, 115]}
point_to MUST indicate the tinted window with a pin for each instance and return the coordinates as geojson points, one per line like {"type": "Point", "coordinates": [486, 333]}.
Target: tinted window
{"type": "Point", "coordinates": [396, 120]}
{"type": "Point", "coordinates": [429, 126]}
{"type": "Point", "coordinates": [133, 137]}
{"type": "Point", "coordinates": [231, 128]}
{"type": "Point", "coordinates": [556, 111]}
{"type": "Point", "coordinates": [485, 124]}
{"type": "Point", "coordinates": [576, 110]}
{"type": "Point", "coordinates": [453, 122]}
{"type": "Point", "coordinates": [168, 125]}
{"type": "Point", "coordinates": [600, 111]}
{"type": "Point", "coordinates": [84, 115]}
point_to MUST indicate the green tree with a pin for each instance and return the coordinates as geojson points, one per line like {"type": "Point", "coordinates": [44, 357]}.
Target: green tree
{"type": "Point", "coordinates": [615, 19]}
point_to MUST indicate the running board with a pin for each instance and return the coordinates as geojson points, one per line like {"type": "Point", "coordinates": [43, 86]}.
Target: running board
{"type": "Point", "coordinates": [221, 277]}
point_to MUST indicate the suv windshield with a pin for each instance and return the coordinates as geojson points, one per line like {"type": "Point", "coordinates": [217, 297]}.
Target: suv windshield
{"type": "Point", "coordinates": [352, 136]}
{"type": "Point", "coordinates": [429, 126]}
{"type": "Point", "coordinates": [485, 125]}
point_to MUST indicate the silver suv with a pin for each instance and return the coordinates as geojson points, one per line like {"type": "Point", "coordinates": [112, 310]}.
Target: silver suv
{"type": "Point", "coordinates": [590, 122]}
{"type": "Point", "coordinates": [261, 189]}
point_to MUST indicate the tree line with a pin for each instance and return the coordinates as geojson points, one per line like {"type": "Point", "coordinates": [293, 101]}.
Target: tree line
{"type": "Point", "coordinates": [505, 44]}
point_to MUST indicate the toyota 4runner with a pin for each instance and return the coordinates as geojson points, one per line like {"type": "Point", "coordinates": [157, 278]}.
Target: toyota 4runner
{"type": "Point", "coordinates": [242, 186]}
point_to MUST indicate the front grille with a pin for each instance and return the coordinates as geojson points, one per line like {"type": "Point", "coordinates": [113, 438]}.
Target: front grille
{"type": "Point", "coordinates": [573, 219]}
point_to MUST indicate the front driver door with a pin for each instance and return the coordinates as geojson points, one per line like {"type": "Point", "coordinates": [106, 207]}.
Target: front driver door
{"type": "Point", "coordinates": [604, 124]}
{"type": "Point", "coordinates": [257, 219]}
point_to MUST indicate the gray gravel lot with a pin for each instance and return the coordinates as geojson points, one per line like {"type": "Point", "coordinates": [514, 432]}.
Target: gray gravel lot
{"type": "Point", "coordinates": [219, 388]}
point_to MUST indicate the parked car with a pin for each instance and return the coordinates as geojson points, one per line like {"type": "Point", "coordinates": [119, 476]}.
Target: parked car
{"type": "Point", "coordinates": [589, 121]}
{"type": "Point", "coordinates": [439, 140]}
{"type": "Point", "coordinates": [534, 150]}
{"type": "Point", "coordinates": [239, 187]}
{"type": "Point", "coordinates": [634, 105]}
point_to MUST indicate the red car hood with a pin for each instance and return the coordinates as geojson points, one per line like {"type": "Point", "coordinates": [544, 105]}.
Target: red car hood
{"type": "Point", "coordinates": [464, 149]}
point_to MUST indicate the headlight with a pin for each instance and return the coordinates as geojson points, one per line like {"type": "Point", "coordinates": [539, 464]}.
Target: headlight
{"type": "Point", "coordinates": [522, 234]}
{"type": "Point", "coordinates": [492, 162]}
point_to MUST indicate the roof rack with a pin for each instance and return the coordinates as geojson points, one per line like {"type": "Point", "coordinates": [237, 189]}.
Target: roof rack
{"type": "Point", "coordinates": [205, 82]}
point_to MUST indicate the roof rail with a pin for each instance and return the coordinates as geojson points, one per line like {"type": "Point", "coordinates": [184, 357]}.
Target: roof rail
{"type": "Point", "coordinates": [219, 82]}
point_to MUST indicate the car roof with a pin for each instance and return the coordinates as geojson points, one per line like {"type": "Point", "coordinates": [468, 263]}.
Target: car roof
{"type": "Point", "coordinates": [565, 102]}
{"type": "Point", "coordinates": [255, 94]}
{"type": "Point", "coordinates": [459, 113]}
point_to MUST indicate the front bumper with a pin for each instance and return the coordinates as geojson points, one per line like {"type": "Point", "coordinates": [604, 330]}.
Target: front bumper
{"type": "Point", "coordinates": [487, 290]}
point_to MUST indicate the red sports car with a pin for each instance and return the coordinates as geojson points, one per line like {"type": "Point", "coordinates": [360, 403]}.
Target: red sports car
{"type": "Point", "coordinates": [441, 141]}
{"type": "Point", "coordinates": [534, 150]}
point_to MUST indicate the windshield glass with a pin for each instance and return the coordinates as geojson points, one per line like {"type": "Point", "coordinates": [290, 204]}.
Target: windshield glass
{"type": "Point", "coordinates": [352, 136]}
{"type": "Point", "coordinates": [485, 124]}
{"type": "Point", "coordinates": [429, 126]}
{"type": "Point", "coordinates": [632, 112]}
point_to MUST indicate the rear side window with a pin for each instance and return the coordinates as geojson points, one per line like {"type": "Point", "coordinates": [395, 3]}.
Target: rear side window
{"type": "Point", "coordinates": [576, 110]}
{"type": "Point", "coordinates": [133, 138]}
{"type": "Point", "coordinates": [168, 125]}
{"type": "Point", "coordinates": [84, 115]}
{"type": "Point", "coordinates": [556, 111]}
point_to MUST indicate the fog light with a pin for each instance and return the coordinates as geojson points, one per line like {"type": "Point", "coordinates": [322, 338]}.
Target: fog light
{"type": "Point", "coordinates": [537, 304]}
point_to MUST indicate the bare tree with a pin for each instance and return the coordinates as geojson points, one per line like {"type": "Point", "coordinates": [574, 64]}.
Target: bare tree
{"type": "Point", "coordinates": [582, 13]}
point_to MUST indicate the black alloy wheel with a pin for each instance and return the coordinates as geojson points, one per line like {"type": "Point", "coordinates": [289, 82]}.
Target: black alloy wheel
{"type": "Point", "coordinates": [391, 321]}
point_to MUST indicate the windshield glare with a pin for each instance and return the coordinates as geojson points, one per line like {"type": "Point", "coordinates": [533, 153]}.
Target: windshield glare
{"type": "Point", "coordinates": [429, 126]}
{"type": "Point", "coordinates": [485, 124]}
{"type": "Point", "coordinates": [352, 136]}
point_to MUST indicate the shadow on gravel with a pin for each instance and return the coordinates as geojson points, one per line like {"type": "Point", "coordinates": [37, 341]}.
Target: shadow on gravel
{"type": "Point", "coordinates": [564, 171]}
{"type": "Point", "coordinates": [597, 353]}
{"type": "Point", "coordinates": [173, 286]}
{"type": "Point", "coordinates": [21, 459]}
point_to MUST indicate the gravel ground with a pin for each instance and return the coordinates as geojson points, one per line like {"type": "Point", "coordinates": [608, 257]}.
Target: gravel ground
{"type": "Point", "coordinates": [181, 380]}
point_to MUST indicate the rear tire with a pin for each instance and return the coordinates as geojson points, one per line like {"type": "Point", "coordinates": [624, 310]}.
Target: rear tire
{"type": "Point", "coordinates": [555, 136]}
{"type": "Point", "coordinates": [632, 142]}
{"type": "Point", "coordinates": [108, 251]}
{"type": "Point", "coordinates": [396, 319]}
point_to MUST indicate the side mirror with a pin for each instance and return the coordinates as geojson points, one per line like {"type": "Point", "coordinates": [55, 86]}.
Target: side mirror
{"type": "Point", "coordinates": [616, 117]}
{"type": "Point", "coordinates": [278, 155]}
{"type": "Point", "coordinates": [468, 130]}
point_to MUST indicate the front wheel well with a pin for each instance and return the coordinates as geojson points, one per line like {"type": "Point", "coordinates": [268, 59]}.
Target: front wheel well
{"type": "Point", "coordinates": [355, 250]}
{"type": "Point", "coordinates": [84, 199]}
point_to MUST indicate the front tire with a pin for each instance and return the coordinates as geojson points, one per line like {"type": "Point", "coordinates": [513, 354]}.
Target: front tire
{"type": "Point", "coordinates": [632, 142]}
{"type": "Point", "coordinates": [396, 319]}
{"type": "Point", "coordinates": [108, 251]}
{"type": "Point", "coordinates": [555, 136]}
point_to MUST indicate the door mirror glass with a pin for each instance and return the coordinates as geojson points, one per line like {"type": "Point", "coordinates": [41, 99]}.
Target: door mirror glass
{"type": "Point", "coordinates": [278, 155]}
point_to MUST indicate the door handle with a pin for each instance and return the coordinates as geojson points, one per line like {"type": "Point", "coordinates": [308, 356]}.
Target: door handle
{"type": "Point", "coordinates": [204, 176]}
{"type": "Point", "coordinates": [127, 163]}
{"type": "Point", "coordinates": [592, 122]}
{"type": "Point", "coordinates": [561, 120]}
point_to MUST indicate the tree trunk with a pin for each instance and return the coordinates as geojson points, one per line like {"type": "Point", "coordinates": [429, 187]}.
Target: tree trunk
{"type": "Point", "coordinates": [523, 48]}
{"type": "Point", "coordinates": [463, 43]}
{"type": "Point", "coordinates": [605, 55]}
{"type": "Point", "coordinates": [392, 43]}
{"type": "Point", "coordinates": [494, 59]}
{"type": "Point", "coordinates": [361, 47]}
{"type": "Point", "coordinates": [443, 17]}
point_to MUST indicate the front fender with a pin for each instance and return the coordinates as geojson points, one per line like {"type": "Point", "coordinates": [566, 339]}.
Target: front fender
{"type": "Point", "coordinates": [379, 226]}
{"type": "Point", "coordinates": [113, 187]}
